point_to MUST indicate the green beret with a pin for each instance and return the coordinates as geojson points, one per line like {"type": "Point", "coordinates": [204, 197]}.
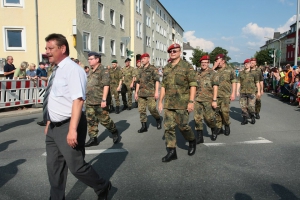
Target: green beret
{"type": "Point", "coordinates": [114, 61]}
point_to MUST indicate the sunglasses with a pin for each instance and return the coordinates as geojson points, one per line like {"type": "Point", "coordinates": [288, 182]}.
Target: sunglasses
{"type": "Point", "coordinates": [173, 51]}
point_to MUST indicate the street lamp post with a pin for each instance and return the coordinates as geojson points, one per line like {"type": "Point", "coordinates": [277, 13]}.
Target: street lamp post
{"type": "Point", "coordinates": [279, 60]}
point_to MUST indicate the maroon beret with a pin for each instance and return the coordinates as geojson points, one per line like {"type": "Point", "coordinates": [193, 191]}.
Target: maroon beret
{"type": "Point", "coordinates": [145, 55]}
{"type": "Point", "coordinates": [205, 57]}
{"type": "Point", "coordinates": [220, 56]}
{"type": "Point", "coordinates": [247, 61]}
{"type": "Point", "coordinates": [253, 59]}
{"type": "Point", "coordinates": [173, 46]}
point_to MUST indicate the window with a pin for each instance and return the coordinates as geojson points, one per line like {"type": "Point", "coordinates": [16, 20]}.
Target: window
{"type": "Point", "coordinates": [148, 21]}
{"type": "Point", "coordinates": [13, 3]}
{"type": "Point", "coordinates": [121, 21]}
{"type": "Point", "coordinates": [148, 41]}
{"type": "Point", "coordinates": [153, 16]}
{"type": "Point", "coordinates": [86, 6]}
{"type": "Point", "coordinates": [101, 44]}
{"type": "Point", "coordinates": [15, 39]}
{"type": "Point", "coordinates": [122, 49]}
{"type": "Point", "coordinates": [112, 17]}
{"type": "Point", "coordinates": [157, 10]}
{"type": "Point", "coordinates": [100, 11]}
{"type": "Point", "coordinates": [138, 6]}
{"type": "Point", "coordinates": [86, 41]}
{"type": "Point", "coordinates": [138, 29]}
{"type": "Point", "coordinates": [112, 47]}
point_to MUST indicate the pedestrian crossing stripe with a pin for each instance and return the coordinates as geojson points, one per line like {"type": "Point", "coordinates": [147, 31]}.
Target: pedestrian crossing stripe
{"type": "Point", "coordinates": [259, 140]}
{"type": "Point", "coordinates": [98, 151]}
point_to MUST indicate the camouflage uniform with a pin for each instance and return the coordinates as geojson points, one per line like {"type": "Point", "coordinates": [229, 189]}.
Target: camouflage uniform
{"type": "Point", "coordinates": [226, 77]}
{"type": "Point", "coordinates": [147, 78]}
{"type": "Point", "coordinates": [115, 77]}
{"type": "Point", "coordinates": [248, 82]}
{"type": "Point", "coordinates": [95, 84]}
{"type": "Point", "coordinates": [177, 81]}
{"type": "Point", "coordinates": [204, 95]}
{"type": "Point", "coordinates": [258, 101]}
{"type": "Point", "coordinates": [128, 75]}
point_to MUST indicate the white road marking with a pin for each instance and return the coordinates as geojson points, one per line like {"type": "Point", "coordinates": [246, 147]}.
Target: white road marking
{"type": "Point", "coordinates": [214, 144]}
{"type": "Point", "coordinates": [259, 140]}
{"type": "Point", "coordinates": [99, 151]}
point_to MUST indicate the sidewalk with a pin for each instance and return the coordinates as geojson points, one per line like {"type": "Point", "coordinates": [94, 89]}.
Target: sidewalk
{"type": "Point", "coordinates": [11, 112]}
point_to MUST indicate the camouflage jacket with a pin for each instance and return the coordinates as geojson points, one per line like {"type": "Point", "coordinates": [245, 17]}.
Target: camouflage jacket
{"type": "Point", "coordinates": [128, 74]}
{"type": "Point", "coordinates": [248, 82]}
{"type": "Point", "coordinates": [115, 76]}
{"type": "Point", "coordinates": [259, 74]}
{"type": "Point", "coordinates": [206, 80]}
{"type": "Point", "coordinates": [177, 81]}
{"type": "Point", "coordinates": [226, 78]}
{"type": "Point", "coordinates": [96, 81]}
{"type": "Point", "coordinates": [136, 71]}
{"type": "Point", "coordinates": [147, 78]}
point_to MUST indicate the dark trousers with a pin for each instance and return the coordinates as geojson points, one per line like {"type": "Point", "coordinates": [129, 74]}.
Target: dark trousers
{"type": "Point", "coordinates": [285, 89]}
{"type": "Point", "coordinates": [61, 157]}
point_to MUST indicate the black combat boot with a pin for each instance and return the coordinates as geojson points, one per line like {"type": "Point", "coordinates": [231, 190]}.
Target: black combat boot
{"type": "Point", "coordinates": [129, 108]}
{"type": "Point", "coordinates": [200, 137]}
{"type": "Point", "coordinates": [112, 109]}
{"type": "Point", "coordinates": [214, 133]}
{"type": "Point", "coordinates": [117, 109]}
{"type": "Point", "coordinates": [252, 119]}
{"type": "Point", "coordinates": [257, 116]}
{"type": "Point", "coordinates": [245, 120]}
{"type": "Point", "coordinates": [143, 128]}
{"type": "Point", "coordinates": [116, 137]}
{"type": "Point", "coordinates": [227, 130]}
{"type": "Point", "coordinates": [136, 104]}
{"type": "Point", "coordinates": [192, 147]}
{"type": "Point", "coordinates": [125, 107]}
{"type": "Point", "coordinates": [158, 124]}
{"type": "Point", "coordinates": [93, 141]}
{"type": "Point", "coordinates": [172, 155]}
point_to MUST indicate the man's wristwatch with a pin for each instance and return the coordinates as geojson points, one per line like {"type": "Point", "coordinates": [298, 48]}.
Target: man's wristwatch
{"type": "Point", "coordinates": [103, 100]}
{"type": "Point", "coordinates": [214, 100]}
{"type": "Point", "coordinates": [191, 101]}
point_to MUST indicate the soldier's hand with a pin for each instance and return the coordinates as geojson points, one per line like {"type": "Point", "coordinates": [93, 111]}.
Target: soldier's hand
{"type": "Point", "coordinates": [190, 107]}
{"type": "Point", "coordinates": [156, 95]}
{"type": "Point", "coordinates": [131, 85]}
{"type": "Point", "coordinates": [136, 96]}
{"type": "Point", "coordinates": [46, 128]}
{"type": "Point", "coordinates": [103, 104]}
{"type": "Point", "coordinates": [237, 94]}
{"type": "Point", "coordinates": [118, 89]}
{"type": "Point", "coordinates": [214, 105]}
{"type": "Point", "coordinates": [160, 107]}
{"type": "Point", "coordinates": [232, 97]}
{"type": "Point", "coordinates": [261, 92]}
{"type": "Point", "coordinates": [72, 138]}
{"type": "Point", "coordinates": [258, 95]}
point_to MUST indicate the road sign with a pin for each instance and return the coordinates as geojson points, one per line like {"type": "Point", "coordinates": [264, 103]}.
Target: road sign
{"type": "Point", "coordinates": [290, 41]}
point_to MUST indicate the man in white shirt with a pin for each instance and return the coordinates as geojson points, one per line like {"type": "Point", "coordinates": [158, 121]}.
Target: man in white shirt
{"type": "Point", "coordinates": [66, 123]}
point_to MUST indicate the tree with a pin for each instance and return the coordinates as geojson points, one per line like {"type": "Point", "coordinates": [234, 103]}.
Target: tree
{"type": "Point", "coordinates": [197, 54]}
{"type": "Point", "coordinates": [216, 51]}
{"type": "Point", "coordinates": [263, 56]}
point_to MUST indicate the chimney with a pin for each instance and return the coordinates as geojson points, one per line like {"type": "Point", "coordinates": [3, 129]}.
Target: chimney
{"type": "Point", "coordinates": [188, 43]}
{"type": "Point", "coordinates": [276, 35]}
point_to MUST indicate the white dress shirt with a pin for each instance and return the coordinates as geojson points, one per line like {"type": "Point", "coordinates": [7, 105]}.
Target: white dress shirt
{"type": "Point", "coordinates": [69, 84]}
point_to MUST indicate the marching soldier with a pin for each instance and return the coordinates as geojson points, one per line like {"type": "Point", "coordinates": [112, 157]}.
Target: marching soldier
{"type": "Point", "coordinates": [206, 101]}
{"type": "Point", "coordinates": [147, 83]}
{"type": "Point", "coordinates": [178, 89]}
{"type": "Point", "coordinates": [136, 73]}
{"type": "Point", "coordinates": [226, 90]}
{"type": "Point", "coordinates": [256, 70]}
{"type": "Point", "coordinates": [246, 87]}
{"type": "Point", "coordinates": [127, 87]}
{"type": "Point", "coordinates": [115, 83]}
{"type": "Point", "coordinates": [96, 99]}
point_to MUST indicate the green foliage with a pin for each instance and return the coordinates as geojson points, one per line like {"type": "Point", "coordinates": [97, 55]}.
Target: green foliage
{"type": "Point", "coordinates": [197, 54]}
{"type": "Point", "coordinates": [216, 51]}
{"type": "Point", "coordinates": [129, 53]}
{"type": "Point", "coordinates": [263, 56]}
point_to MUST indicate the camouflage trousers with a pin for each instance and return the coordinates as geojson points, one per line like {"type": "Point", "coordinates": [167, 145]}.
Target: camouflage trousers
{"type": "Point", "coordinates": [224, 106]}
{"type": "Point", "coordinates": [257, 106]}
{"type": "Point", "coordinates": [129, 95]}
{"type": "Point", "coordinates": [180, 118]}
{"type": "Point", "coordinates": [96, 114]}
{"type": "Point", "coordinates": [247, 102]}
{"type": "Point", "coordinates": [204, 111]}
{"type": "Point", "coordinates": [113, 91]}
{"type": "Point", "coordinates": [143, 102]}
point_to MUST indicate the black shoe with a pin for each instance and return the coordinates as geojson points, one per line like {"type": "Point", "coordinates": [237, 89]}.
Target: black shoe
{"type": "Point", "coordinates": [116, 137]}
{"type": "Point", "coordinates": [200, 137]}
{"type": "Point", "coordinates": [41, 123]}
{"type": "Point", "coordinates": [221, 131]}
{"type": "Point", "coordinates": [245, 120]}
{"type": "Point", "coordinates": [112, 109]}
{"type": "Point", "coordinates": [257, 116]}
{"type": "Point", "coordinates": [143, 128]}
{"type": "Point", "coordinates": [158, 125]}
{"type": "Point", "coordinates": [92, 142]}
{"type": "Point", "coordinates": [103, 195]}
{"type": "Point", "coordinates": [124, 107]}
{"type": "Point", "coordinates": [227, 130]}
{"type": "Point", "coordinates": [172, 155]}
{"type": "Point", "coordinates": [117, 109]}
{"type": "Point", "coordinates": [136, 104]}
{"type": "Point", "coordinates": [192, 147]}
{"type": "Point", "coordinates": [214, 133]}
{"type": "Point", "coordinates": [129, 108]}
{"type": "Point", "coordinates": [252, 119]}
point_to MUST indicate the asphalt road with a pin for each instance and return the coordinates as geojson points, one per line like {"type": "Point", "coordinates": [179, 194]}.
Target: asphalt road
{"type": "Point", "coordinates": [258, 161]}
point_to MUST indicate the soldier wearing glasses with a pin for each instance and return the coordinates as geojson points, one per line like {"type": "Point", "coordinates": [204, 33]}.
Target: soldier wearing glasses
{"type": "Point", "coordinates": [178, 90]}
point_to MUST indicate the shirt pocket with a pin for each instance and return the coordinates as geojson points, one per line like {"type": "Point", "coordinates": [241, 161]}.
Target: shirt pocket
{"type": "Point", "coordinates": [59, 88]}
{"type": "Point", "coordinates": [180, 78]}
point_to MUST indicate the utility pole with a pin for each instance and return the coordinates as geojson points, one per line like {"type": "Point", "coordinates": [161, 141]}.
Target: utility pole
{"type": "Point", "coordinates": [297, 35]}
{"type": "Point", "coordinates": [274, 57]}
